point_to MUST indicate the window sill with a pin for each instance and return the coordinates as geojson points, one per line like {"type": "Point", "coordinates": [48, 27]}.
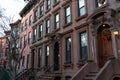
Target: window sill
{"type": "Point", "coordinates": [40, 38]}
{"type": "Point", "coordinates": [81, 17]}
{"type": "Point", "coordinates": [68, 24]}
{"type": "Point", "coordinates": [47, 34]}
{"type": "Point", "coordinates": [34, 20]}
{"type": "Point", "coordinates": [33, 41]}
{"type": "Point", "coordinates": [40, 16]}
{"type": "Point", "coordinates": [55, 30]}
{"type": "Point", "coordinates": [68, 65]}
{"type": "Point", "coordinates": [80, 64]}
{"type": "Point", "coordinates": [55, 4]}
{"type": "Point", "coordinates": [47, 11]}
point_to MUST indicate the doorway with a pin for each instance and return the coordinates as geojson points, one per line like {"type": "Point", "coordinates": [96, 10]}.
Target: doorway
{"type": "Point", "coordinates": [56, 56]}
{"type": "Point", "coordinates": [104, 44]}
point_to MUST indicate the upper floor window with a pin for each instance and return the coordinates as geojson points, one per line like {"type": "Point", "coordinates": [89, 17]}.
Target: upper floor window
{"type": "Point", "coordinates": [29, 37]}
{"type": "Point", "coordinates": [25, 40]}
{"type": "Point", "coordinates": [67, 15]}
{"type": "Point", "coordinates": [57, 21]}
{"type": "Point", "coordinates": [30, 20]}
{"type": "Point", "coordinates": [81, 7]}
{"type": "Point", "coordinates": [26, 21]}
{"type": "Point", "coordinates": [48, 4]}
{"type": "Point", "coordinates": [20, 42]}
{"type": "Point", "coordinates": [23, 60]}
{"type": "Point", "coordinates": [68, 50]}
{"type": "Point", "coordinates": [83, 45]}
{"type": "Point", "coordinates": [100, 3]}
{"type": "Point", "coordinates": [40, 30]}
{"type": "Point", "coordinates": [35, 15]}
{"type": "Point", "coordinates": [56, 1]}
{"type": "Point", "coordinates": [41, 10]}
{"type": "Point", "coordinates": [47, 26]}
{"type": "Point", "coordinates": [34, 34]}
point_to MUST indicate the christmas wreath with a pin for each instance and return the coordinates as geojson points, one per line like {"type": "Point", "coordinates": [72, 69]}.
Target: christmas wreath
{"type": "Point", "coordinates": [106, 35]}
{"type": "Point", "coordinates": [101, 1]}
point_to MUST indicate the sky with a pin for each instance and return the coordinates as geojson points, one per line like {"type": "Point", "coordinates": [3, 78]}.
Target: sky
{"type": "Point", "coordinates": [12, 8]}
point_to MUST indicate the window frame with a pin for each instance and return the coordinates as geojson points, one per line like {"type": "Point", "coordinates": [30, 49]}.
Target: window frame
{"type": "Point", "coordinates": [40, 31]}
{"type": "Point", "coordinates": [79, 8]}
{"type": "Point", "coordinates": [68, 52]}
{"type": "Point", "coordinates": [39, 56]}
{"type": "Point", "coordinates": [57, 22]}
{"type": "Point", "coordinates": [41, 10]}
{"type": "Point", "coordinates": [29, 37]}
{"type": "Point", "coordinates": [34, 34]}
{"type": "Point", "coordinates": [48, 4]}
{"type": "Point", "coordinates": [47, 54]}
{"type": "Point", "coordinates": [82, 55]}
{"type": "Point", "coordinates": [67, 16]}
{"type": "Point", "coordinates": [48, 24]}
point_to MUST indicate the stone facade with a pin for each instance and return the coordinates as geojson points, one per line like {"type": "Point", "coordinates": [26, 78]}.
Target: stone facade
{"type": "Point", "coordinates": [68, 34]}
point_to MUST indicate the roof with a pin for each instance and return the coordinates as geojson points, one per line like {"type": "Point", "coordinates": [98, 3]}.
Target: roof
{"type": "Point", "coordinates": [26, 9]}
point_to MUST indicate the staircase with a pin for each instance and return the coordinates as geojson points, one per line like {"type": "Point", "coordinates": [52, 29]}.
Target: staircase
{"type": "Point", "coordinates": [47, 73]}
{"type": "Point", "coordinates": [91, 72]}
{"type": "Point", "coordinates": [49, 76]}
{"type": "Point", "coordinates": [91, 75]}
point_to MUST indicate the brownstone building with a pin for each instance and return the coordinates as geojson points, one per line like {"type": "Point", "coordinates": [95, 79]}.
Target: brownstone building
{"type": "Point", "coordinates": [75, 39]}
{"type": "Point", "coordinates": [3, 59]}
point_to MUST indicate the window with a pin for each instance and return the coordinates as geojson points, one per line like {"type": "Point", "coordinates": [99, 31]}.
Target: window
{"type": "Point", "coordinates": [39, 56]}
{"type": "Point", "coordinates": [68, 78]}
{"type": "Point", "coordinates": [27, 61]}
{"type": "Point", "coordinates": [56, 1]}
{"type": "Point", "coordinates": [29, 37]}
{"type": "Point", "coordinates": [40, 30]}
{"type": "Point", "coordinates": [23, 60]}
{"type": "Point", "coordinates": [83, 45]}
{"type": "Point", "coordinates": [25, 40]}
{"type": "Point", "coordinates": [41, 10]}
{"type": "Point", "coordinates": [47, 26]}
{"type": "Point", "coordinates": [48, 4]}
{"type": "Point", "coordinates": [57, 21]}
{"type": "Point", "coordinates": [26, 23]}
{"type": "Point", "coordinates": [47, 52]}
{"type": "Point", "coordinates": [20, 42]}
{"type": "Point", "coordinates": [81, 7]}
{"type": "Point", "coordinates": [100, 3]}
{"type": "Point", "coordinates": [34, 34]}
{"type": "Point", "coordinates": [68, 50]}
{"type": "Point", "coordinates": [30, 20]}
{"type": "Point", "coordinates": [67, 15]}
{"type": "Point", "coordinates": [35, 15]}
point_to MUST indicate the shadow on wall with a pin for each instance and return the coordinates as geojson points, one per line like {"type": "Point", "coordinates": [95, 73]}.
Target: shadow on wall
{"type": "Point", "coordinates": [116, 78]}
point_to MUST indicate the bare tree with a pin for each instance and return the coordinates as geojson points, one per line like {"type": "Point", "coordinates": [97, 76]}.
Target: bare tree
{"type": "Point", "coordinates": [13, 54]}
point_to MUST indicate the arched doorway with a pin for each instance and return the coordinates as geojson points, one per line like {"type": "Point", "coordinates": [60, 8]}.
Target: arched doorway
{"type": "Point", "coordinates": [104, 44]}
{"type": "Point", "coordinates": [56, 56]}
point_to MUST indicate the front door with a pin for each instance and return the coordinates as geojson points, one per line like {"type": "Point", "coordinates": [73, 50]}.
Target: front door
{"type": "Point", "coordinates": [56, 56]}
{"type": "Point", "coordinates": [104, 44]}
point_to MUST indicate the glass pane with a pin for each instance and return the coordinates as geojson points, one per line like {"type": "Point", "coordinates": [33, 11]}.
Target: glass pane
{"type": "Point", "coordinates": [68, 11]}
{"type": "Point", "coordinates": [83, 39]}
{"type": "Point", "coordinates": [68, 19]}
{"type": "Point", "coordinates": [82, 11]}
{"type": "Point", "coordinates": [47, 50]}
{"type": "Point", "coordinates": [57, 17]}
{"type": "Point", "coordinates": [81, 3]}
